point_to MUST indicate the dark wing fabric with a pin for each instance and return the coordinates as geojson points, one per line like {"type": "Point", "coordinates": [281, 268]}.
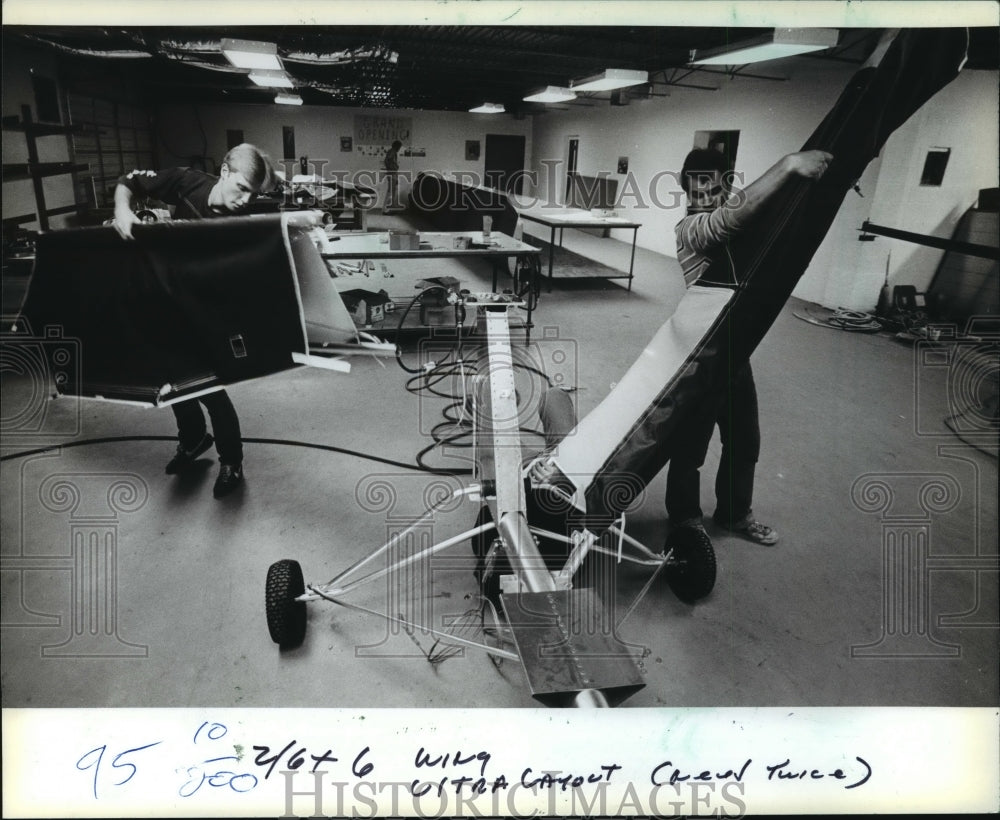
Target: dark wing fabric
{"type": "Point", "coordinates": [184, 307]}
{"type": "Point", "coordinates": [770, 261]}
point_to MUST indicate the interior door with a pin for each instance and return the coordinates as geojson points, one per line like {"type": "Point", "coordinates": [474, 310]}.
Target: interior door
{"type": "Point", "coordinates": [572, 151]}
{"type": "Point", "coordinates": [725, 142]}
{"type": "Point", "coordinates": [503, 165]}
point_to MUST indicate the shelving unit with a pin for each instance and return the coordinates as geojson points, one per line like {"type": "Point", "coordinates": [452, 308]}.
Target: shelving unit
{"type": "Point", "coordinates": [37, 171]}
{"type": "Point", "coordinates": [436, 317]}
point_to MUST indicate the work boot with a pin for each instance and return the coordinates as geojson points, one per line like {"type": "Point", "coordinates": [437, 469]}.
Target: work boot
{"type": "Point", "coordinates": [230, 477]}
{"type": "Point", "coordinates": [183, 459]}
{"type": "Point", "coordinates": [753, 530]}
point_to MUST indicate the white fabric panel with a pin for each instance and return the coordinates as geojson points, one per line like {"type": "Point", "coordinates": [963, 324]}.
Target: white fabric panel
{"type": "Point", "coordinates": [325, 317]}
{"type": "Point", "coordinates": [586, 448]}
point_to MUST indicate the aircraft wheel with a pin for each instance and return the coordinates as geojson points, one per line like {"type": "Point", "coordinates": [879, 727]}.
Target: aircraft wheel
{"type": "Point", "coordinates": [487, 572]}
{"type": "Point", "coordinates": [690, 570]}
{"type": "Point", "coordinates": [286, 617]}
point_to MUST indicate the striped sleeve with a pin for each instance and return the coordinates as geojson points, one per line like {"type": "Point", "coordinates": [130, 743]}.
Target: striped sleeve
{"type": "Point", "coordinates": [699, 238]}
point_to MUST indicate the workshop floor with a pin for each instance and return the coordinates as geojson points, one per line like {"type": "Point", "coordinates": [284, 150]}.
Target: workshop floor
{"type": "Point", "coordinates": [882, 590]}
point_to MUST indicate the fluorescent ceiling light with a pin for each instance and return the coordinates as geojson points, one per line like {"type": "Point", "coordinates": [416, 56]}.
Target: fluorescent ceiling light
{"type": "Point", "coordinates": [251, 54]}
{"type": "Point", "coordinates": [782, 42]}
{"type": "Point", "coordinates": [610, 79]}
{"type": "Point", "coordinates": [550, 94]}
{"type": "Point", "coordinates": [271, 79]}
{"type": "Point", "coordinates": [488, 108]}
{"type": "Point", "coordinates": [288, 99]}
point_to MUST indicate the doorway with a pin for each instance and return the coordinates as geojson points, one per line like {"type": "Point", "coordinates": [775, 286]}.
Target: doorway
{"type": "Point", "coordinates": [503, 163]}
{"type": "Point", "coordinates": [725, 142]}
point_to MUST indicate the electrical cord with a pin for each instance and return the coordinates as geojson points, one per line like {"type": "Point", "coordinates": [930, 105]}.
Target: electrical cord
{"type": "Point", "coordinates": [456, 429]}
{"type": "Point", "coordinates": [399, 326]}
{"type": "Point", "coordinates": [853, 320]}
{"type": "Point", "coordinates": [425, 380]}
{"type": "Point", "coordinates": [527, 280]}
{"type": "Point", "coordinates": [283, 442]}
{"type": "Point", "coordinates": [843, 319]}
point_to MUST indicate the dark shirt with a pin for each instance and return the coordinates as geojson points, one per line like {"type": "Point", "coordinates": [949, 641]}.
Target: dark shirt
{"type": "Point", "coordinates": [184, 188]}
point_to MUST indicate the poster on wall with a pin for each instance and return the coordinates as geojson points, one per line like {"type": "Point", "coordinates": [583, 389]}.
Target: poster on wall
{"type": "Point", "coordinates": [373, 134]}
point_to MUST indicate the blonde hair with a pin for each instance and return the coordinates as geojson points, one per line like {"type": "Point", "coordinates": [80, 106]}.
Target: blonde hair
{"type": "Point", "coordinates": [253, 163]}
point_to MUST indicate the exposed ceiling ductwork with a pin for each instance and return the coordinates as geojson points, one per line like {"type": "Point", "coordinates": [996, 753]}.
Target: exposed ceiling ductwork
{"type": "Point", "coordinates": [428, 67]}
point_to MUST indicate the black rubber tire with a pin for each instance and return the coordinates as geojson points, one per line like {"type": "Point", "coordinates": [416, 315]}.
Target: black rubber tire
{"type": "Point", "coordinates": [286, 617]}
{"type": "Point", "coordinates": [488, 577]}
{"type": "Point", "coordinates": [553, 552]}
{"type": "Point", "coordinates": [690, 570]}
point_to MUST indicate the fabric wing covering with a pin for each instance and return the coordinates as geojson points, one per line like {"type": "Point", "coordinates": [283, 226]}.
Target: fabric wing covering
{"type": "Point", "coordinates": [605, 462]}
{"type": "Point", "coordinates": [187, 307]}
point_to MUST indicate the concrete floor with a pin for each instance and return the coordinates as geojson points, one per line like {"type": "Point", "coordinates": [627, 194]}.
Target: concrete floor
{"type": "Point", "coordinates": [857, 466]}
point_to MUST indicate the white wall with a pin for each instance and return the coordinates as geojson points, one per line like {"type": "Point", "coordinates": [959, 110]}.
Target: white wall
{"type": "Point", "coordinates": [189, 130]}
{"type": "Point", "coordinates": [963, 117]}
{"type": "Point", "coordinates": [774, 118]}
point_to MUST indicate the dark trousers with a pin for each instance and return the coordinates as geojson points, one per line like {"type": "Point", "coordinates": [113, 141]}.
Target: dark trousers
{"type": "Point", "coordinates": [225, 425]}
{"type": "Point", "coordinates": [392, 191]}
{"type": "Point", "coordinates": [739, 430]}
